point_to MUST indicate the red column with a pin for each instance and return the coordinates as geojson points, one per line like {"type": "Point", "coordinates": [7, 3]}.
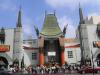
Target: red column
{"type": "Point", "coordinates": [62, 58]}
{"type": "Point", "coordinates": [41, 58]}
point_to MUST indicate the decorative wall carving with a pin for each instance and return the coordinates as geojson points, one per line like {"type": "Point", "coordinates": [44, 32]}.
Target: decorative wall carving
{"type": "Point", "coordinates": [61, 41]}
{"type": "Point", "coordinates": [41, 42]}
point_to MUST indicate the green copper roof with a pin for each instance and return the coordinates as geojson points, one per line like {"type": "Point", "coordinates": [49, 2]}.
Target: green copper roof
{"type": "Point", "coordinates": [51, 27]}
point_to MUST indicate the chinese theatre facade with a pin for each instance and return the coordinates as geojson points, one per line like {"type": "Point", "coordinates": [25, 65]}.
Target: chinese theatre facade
{"type": "Point", "coordinates": [51, 42]}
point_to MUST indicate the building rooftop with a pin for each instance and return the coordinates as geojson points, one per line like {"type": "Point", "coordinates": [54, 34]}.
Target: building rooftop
{"type": "Point", "coordinates": [92, 20]}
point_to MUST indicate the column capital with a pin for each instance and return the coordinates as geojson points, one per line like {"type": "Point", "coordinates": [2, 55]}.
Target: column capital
{"type": "Point", "coordinates": [41, 50]}
{"type": "Point", "coordinates": [61, 41]}
{"type": "Point", "coordinates": [62, 48]}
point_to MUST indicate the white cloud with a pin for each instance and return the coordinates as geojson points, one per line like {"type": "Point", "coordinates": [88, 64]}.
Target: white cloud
{"type": "Point", "coordinates": [93, 14]}
{"type": "Point", "coordinates": [70, 32]}
{"type": "Point", "coordinates": [27, 26]}
{"type": "Point", "coordinates": [71, 3]}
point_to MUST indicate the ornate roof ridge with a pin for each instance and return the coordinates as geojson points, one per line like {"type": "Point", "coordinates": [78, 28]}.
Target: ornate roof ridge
{"type": "Point", "coordinates": [50, 26]}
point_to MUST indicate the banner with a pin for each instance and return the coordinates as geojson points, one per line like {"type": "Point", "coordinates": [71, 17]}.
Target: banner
{"type": "Point", "coordinates": [73, 46]}
{"type": "Point", "coordinates": [4, 48]}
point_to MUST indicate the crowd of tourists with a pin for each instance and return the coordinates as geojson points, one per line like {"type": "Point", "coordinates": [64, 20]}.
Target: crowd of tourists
{"type": "Point", "coordinates": [50, 69]}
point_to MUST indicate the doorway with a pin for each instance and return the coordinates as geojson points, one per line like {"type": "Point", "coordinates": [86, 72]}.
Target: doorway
{"type": "Point", "coordinates": [3, 62]}
{"type": "Point", "coordinates": [98, 60]}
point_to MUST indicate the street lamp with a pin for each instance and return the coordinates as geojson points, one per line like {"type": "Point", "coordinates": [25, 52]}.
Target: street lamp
{"type": "Point", "coordinates": [92, 60]}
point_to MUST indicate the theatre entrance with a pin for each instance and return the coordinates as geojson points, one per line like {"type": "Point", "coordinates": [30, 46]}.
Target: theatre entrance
{"type": "Point", "coordinates": [52, 51]}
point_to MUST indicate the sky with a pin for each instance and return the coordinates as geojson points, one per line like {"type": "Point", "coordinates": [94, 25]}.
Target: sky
{"type": "Point", "coordinates": [33, 13]}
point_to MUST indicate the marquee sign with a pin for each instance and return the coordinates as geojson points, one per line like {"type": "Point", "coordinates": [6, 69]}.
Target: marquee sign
{"type": "Point", "coordinates": [4, 48]}
{"type": "Point", "coordinates": [51, 53]}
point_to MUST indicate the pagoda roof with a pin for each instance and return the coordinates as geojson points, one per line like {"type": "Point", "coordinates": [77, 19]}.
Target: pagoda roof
{"type": "Point", "coordinates": [51, 27]}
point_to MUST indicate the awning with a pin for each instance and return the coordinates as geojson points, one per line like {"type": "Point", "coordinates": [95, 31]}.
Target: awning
{"type": "Point", "coordinates": [73, 46]}
{"type": "Point", "coordinates": [29, 48]}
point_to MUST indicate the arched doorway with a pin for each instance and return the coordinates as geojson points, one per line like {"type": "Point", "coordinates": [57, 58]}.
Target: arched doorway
{"type": "Point", "coordinates": [98, 59]}
{"type": "Point", "coordinates": [3, 62]}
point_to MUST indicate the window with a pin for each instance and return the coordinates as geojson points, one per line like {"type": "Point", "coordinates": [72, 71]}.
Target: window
{"type": "Point", "coordinates": [34, 56]}
{"type": "Point", "coordinates": [70, 54]}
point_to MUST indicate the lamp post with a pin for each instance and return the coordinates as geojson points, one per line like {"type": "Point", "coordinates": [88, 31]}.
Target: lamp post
{"type": "Point", "coordinates": [92, 60]}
